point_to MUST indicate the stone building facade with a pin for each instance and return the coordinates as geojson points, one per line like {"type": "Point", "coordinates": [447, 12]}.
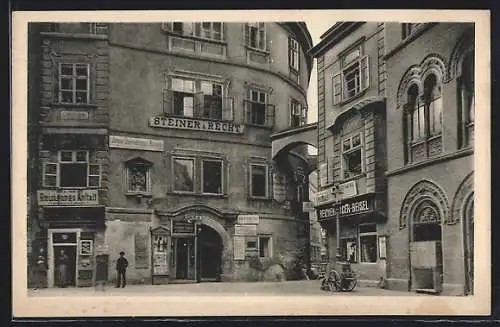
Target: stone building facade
{"type": "Point", "coordinates": [155, 140]}
{"type": "Point", "coordinates": [430, 128]}
{"type": "Point", "coordinates": [351, 201]}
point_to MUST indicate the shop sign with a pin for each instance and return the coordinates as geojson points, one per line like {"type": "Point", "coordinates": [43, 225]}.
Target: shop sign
{"type": "Point", "coordinates": [135, 143]}
{"type": "Point", "coordinates": [248, 219]}
{"type": "Point", "coordinates": [307, 206]}
{"type": "Point", "coordinates": [74, 115]}
{"type": "Point", "coordinates": [160, 266]}
{"type": "Point", "coordinates": [239, 247]}
{"type": "Point", "coordinates": [347, 208]}
{"type": "Point", "coordinates": [245, 230]}
{"type": "Point", "coordinates": [183, 227]}
{"type": "Point", "coordinates": [348, 190]}
{"type": "Point", "coordinates": [196, 124]}
{"type": "Point", "coordinates": [67, 197]}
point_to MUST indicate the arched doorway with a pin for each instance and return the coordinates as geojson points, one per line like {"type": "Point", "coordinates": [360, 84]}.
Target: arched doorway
{"type": "Point", "coordinates": [210, 248]}
{"type": "Point", "coordinates": [468, 227]}
{"type": "Point", "coordinates": [426, 256]}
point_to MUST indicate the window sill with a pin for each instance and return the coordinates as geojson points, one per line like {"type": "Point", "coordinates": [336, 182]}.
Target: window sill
{"type": "Point", "coordinates": [264, 52]}
{"type": "Point", "coordinates": [198, 195]}
{"type": "Point", "coordinates": [352, 178]}
{"type": "Point", "coordinates": [139, 194]}
{"type": "Point", "coordinates": [354, 97]}
{"type": "Point", "coordinates": [260, 198]}
{"type": "Point", "coordinates": [62, 35]}
{"type": "Point", "coordinates": [196, 38]}
{"type": "Point", "coordinates": [259, 126]}
{"type": "Point", "coordinates": [74, 105]}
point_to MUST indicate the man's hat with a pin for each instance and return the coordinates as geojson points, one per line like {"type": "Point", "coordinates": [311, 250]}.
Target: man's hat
{"type": "Point", "coordinates": [122, 253]}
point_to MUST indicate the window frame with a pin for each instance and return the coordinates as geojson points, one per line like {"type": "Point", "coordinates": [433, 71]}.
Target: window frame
{"type": "Point", "coordinates": [300, 114]}
{"type": "Point", "coordinates": [293, 54]}
{"type": "Point", "coordinates": [193, 160]}
{"type": "Point", "coordinates": [269, 109]}
{"type": "Point", "coordinates": [266, 175]}
{"type": "Point", "coordinates": [261, 29]}
{"type": "Point", "coordinates": [467, 121]}
{"type": "Point", "coordinates": [74, 78]}
{"type": "Point", "coordinates": [339, 82]}
{"type": "Point", "coordinates": [222, 174]}
{"type": "Point", "coordinates": [352, 149]}
{"type": "Point", "coordinates": [363, 234]}
{"type": "Point", "coordinates": [197, 30]}
{"type": "Point", "coordinates": [128, 166]}
{"type": "Point", "coordinates": [269, 245]}
{"type": "Point", "coordinates": [74, 160]}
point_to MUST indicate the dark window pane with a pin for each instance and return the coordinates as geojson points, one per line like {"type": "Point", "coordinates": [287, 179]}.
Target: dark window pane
{"type": "Point", "coordinates": [356, 140]}
{"type": "Point", "coordinates": [367, 228]}
{"type": "Point", "coordinates": [67, 69]}
{"type": "Point", "coordinates": [264, 247]}
{"type": "Point", "coordinates": [212, 177]}
{"type": "Point", "coordinates": [81, 97]}
{"type": "Point", "coordinates": [183, 171]}
{"type": "Point", "coordinates": [259, 181]}
{"type": "Point", "coordinates": [50, 180]}
{"type": "Point", "coordinates": [81, 70]}
{"type": "Point", "coordinates": [66, 156]}
{"type": "Point", "coordinates": [66, 84]}
{"type": "Point", "coordinates": [67, 96]}
{"type": "Point", "coordinates": [368, 248]}
{"type": "Point", "coordinates": [258, 113]}
{"type": "Point", "coordinates": [81, 84]}
{"type": "Point", "coordinates": [73, 175]}
{"type": "Point", "coordinates": [81, 156]}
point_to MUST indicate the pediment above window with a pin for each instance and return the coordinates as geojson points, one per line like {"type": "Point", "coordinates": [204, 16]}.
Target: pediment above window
{"type": "Point", "coordinates": [138, 161]}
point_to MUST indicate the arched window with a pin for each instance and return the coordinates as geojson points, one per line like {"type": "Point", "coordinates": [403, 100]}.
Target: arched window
{"type": "Point", "coordinates": [433, 104]}
{"type": "Point", "coordinates": [466, 98]}
{"type": "Point", "coordinates": [423, 120]}
{"type": "Point", "coordinates": [426, 222]}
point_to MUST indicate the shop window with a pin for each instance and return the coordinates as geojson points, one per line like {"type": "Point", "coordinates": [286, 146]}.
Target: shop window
{"type": "Point", "coordinates": [255, 36]}
{"type": "Point", "coordinates": [293, 54]}
{"type": "Point", "coordinates": [368, 243]}
{"type": "Point", "coordinates": [252, 245]}
{"type": "Point", "coordinates": [138, 176]}
{"type": "Point", "coordinates": [264, 246]}
{"type": "Point", "coordinates": [259, 181]}
{"type": "Point", "coordinates": [72, 170]}
{"type": "Point", "coordinates": [183, 174]}
{"type": "Point", "coordinates": [348, 247]}
{"type": "Point", "coordinates": [354, 76]}
{"type": "Point", "coordinates": [183, 93]}
{"type": "Point", "coordinates": [74, 83]}
{"type": "Point", "coordinates": [467, 101]}
{"type": "Point", "coordinates": [258, 110]}
{"type": "Point", "coordinates": [352, 156]}
{"type": "Point", "coordinates": [212, 175]}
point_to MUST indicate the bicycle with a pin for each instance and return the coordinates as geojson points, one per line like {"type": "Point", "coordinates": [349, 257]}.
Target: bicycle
{"type": "Point", "coordinates": [344, 281]}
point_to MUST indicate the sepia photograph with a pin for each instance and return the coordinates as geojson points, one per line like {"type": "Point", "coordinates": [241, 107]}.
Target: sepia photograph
{"type": "Point", "coordinates": [312, 158]}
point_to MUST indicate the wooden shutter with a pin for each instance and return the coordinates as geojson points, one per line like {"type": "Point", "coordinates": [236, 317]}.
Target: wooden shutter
{"type": "Point", "coordinates": [46, 171]}
{"type": "Point", "coordinates": [199, 104]}
{"type": "Point", "coordinates": [270, 115]}
{"type": "Point", "coordinates": [167, 102]}
{"type": "Point", "coordinates": [248, 111]}
{"type": "Point", "coordinates": [330, 171]}
{"type": "Point", "coordinates": [290, 51]}
{"type": "Point", "coordinates": [323, 177]}
{"type": "Point", "coordinates": [337, 88]}
{"type": "Point", "coordinates": [365, 72]}
{"type": "Point", "coordinates": [227, 109]}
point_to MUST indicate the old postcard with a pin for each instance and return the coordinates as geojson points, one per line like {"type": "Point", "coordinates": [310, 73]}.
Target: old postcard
{"type": "Point", "coordinates": [239, 163]}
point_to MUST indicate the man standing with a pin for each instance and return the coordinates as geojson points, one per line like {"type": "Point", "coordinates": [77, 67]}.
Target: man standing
{"type": "Point", "coordinates": [40, 270]}
{"type": "Point", "coordinates": [121, 267]}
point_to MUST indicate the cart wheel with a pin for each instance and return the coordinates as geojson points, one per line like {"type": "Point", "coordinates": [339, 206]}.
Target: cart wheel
{"type": "Point", "coordinates": [336, 280]}
{"type": "Point", "coordinates": [349, 284]}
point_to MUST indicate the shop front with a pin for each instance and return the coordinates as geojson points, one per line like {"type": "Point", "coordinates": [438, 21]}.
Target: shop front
{"type": "Point", "coordinates": [70, 233]}
{"type": "Point", "coordinates": [190, 248]}
{"type": "Point", "coordinates": [361, 224]}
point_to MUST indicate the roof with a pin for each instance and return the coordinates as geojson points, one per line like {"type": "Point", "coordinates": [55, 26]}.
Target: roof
{"type": "Point", "coordinates": [332, 36]}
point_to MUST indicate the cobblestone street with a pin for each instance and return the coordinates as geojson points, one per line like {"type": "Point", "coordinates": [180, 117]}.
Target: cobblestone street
{"type": "Point", "coordinates": [311, 287]}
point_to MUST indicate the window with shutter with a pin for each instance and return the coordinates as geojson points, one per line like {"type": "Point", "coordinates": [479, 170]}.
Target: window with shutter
{"type": "Point", "coordinates": [293, 53]}
{"type": "Point", "coordinates": [365, 73]}
{"type": "Point", "coordinates": [74, 168]}
{"type": "Point", "coordinates": [354, 77]}
{"type": "Point", "coordinates": [255, 35]}
{"type": "Point", "coordinates": [270, 115]}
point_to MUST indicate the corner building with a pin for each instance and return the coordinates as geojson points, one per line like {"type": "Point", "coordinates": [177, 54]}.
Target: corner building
{"type": "Point", "coordinates": [352, 146]}
{"type": "Point", "coordinates": [156, 142]}
{"type": "Point", "coordinates": [430, 138]}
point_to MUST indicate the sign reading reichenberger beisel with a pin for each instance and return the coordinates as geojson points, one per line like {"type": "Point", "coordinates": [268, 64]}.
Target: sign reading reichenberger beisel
{"type": "Point", "coordinates": [196, 124]}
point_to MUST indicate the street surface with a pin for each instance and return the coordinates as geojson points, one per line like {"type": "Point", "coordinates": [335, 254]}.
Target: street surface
{"type": "Point", "coordinates": [297, 288]}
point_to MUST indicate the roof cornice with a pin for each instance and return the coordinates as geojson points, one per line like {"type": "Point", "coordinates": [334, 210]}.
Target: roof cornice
{"type": "Point", "coordinates": [333, 35]}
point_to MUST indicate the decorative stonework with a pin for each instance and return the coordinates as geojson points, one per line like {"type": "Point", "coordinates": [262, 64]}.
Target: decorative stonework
{"type": "Point", "coordinates": [464, 45]}
{"type": "Point", "coordinates": [422, 190]}
{"type": "Point", "coordinates": [463, 192]}
{"type": "Point", "coordinates": [416, 74]}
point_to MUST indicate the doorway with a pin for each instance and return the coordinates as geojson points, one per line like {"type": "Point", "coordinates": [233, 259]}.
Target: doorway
{"type": "Point", "coordinates": [184, 256]}
{"type": "Point", "coordinates": [210, 254]}
{"type": "Point", "coordinates": [69, 251]}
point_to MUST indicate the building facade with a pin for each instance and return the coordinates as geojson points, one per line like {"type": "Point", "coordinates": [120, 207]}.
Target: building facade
{"type": "Point", "coordinates": [430, 128]}
{"type": "Point", "coordinates": [155, 141]}
{"type": "Point", "coordinates": [351, 200]}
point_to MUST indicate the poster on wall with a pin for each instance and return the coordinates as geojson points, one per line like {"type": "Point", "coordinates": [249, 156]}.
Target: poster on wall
{"type": "Point", "coordinates": [85, 247]}
{"type": "Point", "coordinates": [239, 247]}
{"type": "Point", "coordinates": [160, 263]}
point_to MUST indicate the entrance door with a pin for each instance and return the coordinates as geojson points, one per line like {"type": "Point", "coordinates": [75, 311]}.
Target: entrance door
{"type": "Point", "coordinates": [65, 255]}
{"type": "Point", "coordinates": [210, 251]}
{"type": "Point", "coordinates": [184, 258]}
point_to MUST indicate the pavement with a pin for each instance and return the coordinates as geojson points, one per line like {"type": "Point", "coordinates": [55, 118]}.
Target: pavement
{"type": "Point", "coordinates": [297, 288]}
